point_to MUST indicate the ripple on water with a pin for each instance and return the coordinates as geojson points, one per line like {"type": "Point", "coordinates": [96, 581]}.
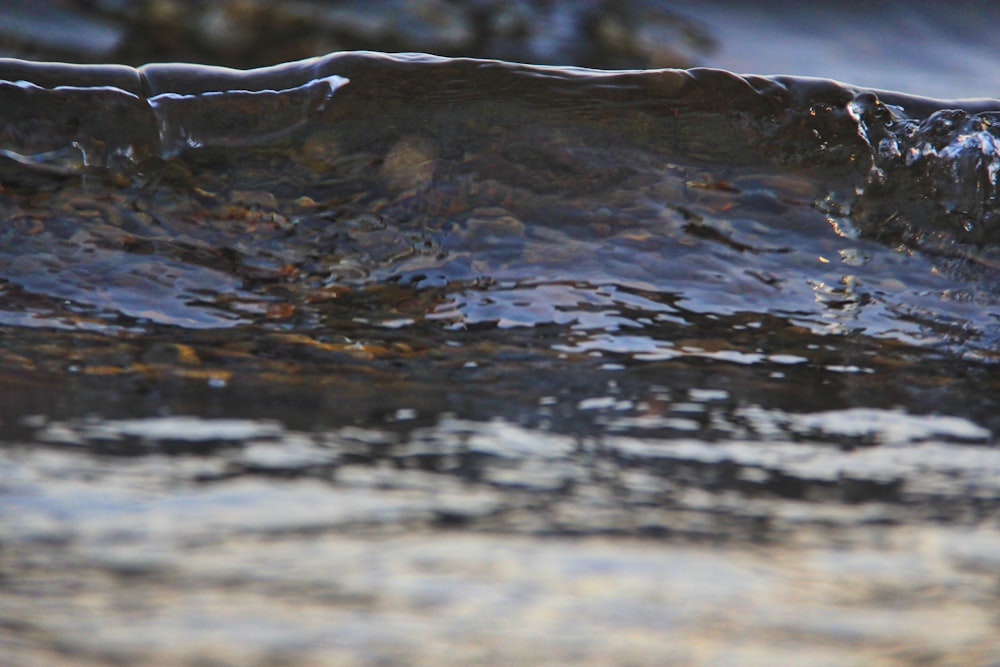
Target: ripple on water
{"type": "Point", "coordinates": [306, 339]}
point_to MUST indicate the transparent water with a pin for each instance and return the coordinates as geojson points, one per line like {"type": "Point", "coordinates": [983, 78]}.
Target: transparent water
{"type": "Point", "coordinates": [354, 359]}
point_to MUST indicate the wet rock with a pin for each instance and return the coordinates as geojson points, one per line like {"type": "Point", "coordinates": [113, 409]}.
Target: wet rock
{"type": "Point", "coordinates": [410, 163]}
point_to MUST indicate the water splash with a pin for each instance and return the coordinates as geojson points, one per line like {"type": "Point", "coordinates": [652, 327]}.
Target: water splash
{"type": "Point", "coordinates": [952, 158]}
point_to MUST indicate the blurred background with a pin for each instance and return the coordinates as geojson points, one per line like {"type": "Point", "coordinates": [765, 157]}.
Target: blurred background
{"type": "Point", "coordinates": [924, 48]}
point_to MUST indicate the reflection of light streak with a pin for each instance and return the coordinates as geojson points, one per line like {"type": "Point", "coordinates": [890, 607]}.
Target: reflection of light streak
{"type": "Point", "coordinates": [843, 228]}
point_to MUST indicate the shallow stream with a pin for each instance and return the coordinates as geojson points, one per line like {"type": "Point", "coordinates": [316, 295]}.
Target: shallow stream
{"type": "Point", "coordinates": [396, 359]}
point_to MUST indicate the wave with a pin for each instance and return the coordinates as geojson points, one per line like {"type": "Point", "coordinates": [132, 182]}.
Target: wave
{"type": "Point", "coordinates": [499, 185]}
{"type": "Point", "coordinates": [944, 154]}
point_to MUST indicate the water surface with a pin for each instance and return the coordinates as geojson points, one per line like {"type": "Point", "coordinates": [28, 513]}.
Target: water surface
{"type": "Point", "coordinates": [601, 325]}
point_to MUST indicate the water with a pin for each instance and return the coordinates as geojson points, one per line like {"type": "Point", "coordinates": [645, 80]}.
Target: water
{"type": "Point", "coordinates": [332, 361]}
